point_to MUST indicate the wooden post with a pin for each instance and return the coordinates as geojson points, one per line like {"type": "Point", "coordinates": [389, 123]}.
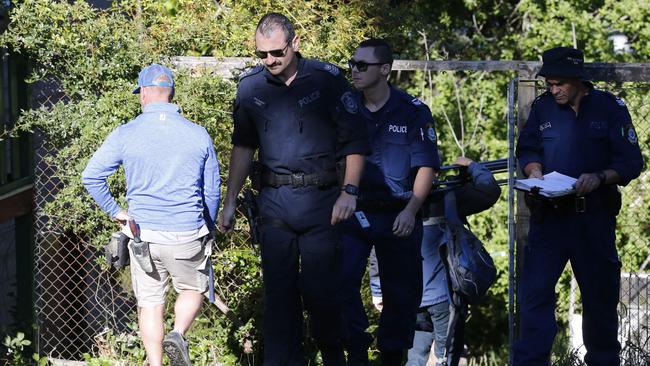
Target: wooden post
{"type": "Point", "coordinates": [526, 94]}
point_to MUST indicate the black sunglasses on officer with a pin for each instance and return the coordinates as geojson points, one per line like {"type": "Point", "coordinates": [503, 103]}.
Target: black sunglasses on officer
{"type": "Point", "coordinates": [362, 66]}
{"type": "Point", "coordinates": [275, 53]}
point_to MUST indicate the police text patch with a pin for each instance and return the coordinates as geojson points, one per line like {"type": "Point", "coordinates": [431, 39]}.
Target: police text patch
{"type": "Point", "coordinates": [397, 128]}
{"type": "Point", "coordinates": [309, 98]}
{"type": "Point", "coordinates": [259, 102]}
{"type": "Point", "coordinates": [598, 125]}
{"type": "Point", "coordinates": [544, 126]}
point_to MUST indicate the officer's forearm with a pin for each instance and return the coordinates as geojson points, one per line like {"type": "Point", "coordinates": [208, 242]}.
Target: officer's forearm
{"type": "Point", "coordinates": [421, 188]}
{"type": "Point", "coordinates": [240, 162]}
{"type": "Point", "coordinates": [353, 169]}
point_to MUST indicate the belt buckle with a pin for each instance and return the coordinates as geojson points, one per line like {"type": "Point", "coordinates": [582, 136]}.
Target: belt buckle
{"type": "Point", "coordinates": [298, 179]}
{"type": "Point", "coordinates": [581, 204]}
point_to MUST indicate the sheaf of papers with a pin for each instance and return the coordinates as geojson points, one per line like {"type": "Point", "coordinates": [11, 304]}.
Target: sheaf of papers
{"type": "Point", "coordinates": [554, 184]}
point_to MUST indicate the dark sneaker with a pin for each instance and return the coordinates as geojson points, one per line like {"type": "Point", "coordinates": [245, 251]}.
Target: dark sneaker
{"type": "Point", "coordinates": [176, 349]}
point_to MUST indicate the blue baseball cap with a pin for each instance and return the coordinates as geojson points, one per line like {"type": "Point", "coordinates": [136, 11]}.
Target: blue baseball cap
{"type": "Point", "coordinates": [154, 75]}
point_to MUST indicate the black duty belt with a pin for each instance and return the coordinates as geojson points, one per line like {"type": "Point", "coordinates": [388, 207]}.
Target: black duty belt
{"type": "Point", "coordinates": [567, 204]}
{"type": "Point", "coordinates": [381, 206]}
{"type": "Point", "coordinates": [295, 180]}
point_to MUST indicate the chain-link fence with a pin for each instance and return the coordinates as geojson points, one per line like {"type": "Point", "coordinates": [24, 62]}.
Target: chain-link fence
{"type": "Point", "coordinates": [633, 243]}
{"type": "Point", "coordinates": [76, 300]}
{"type": "Point", "coordinates": [7, 273]}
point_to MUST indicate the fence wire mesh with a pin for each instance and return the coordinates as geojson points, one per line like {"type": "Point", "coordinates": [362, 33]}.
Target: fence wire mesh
{"type": "Point", "coordinates": [632, 241]}
{"type": "Point", "coordinates": [75, 299]}
{"type": "Point", "coordinates": [7, 274]}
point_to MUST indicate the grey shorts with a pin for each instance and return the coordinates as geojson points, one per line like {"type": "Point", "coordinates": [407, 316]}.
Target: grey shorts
{"type": "Point", "coordinates": [186, 264]}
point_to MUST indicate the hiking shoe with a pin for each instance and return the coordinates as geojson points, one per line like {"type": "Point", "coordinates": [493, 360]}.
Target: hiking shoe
{"type": "Point", "coordinates": [176, 349]}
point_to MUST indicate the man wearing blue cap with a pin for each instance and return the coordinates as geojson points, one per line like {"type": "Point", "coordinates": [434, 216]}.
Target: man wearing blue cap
{"type": "Point", "coordinates": [588, 134]}
{"type": "Point", "coordinates": [172, 177]}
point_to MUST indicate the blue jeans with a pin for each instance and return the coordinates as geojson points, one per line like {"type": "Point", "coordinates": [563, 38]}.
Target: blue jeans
{"type": "Point", "coordinates": [432, 323]}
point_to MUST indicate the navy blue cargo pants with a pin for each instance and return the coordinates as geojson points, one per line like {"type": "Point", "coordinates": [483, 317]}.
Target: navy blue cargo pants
{"type": "Point", "coordinates": [300, 264]}
{"type": "Point", "coordinates": [400, 273]}
{"type": "Point", "coordinates": [587, 240]}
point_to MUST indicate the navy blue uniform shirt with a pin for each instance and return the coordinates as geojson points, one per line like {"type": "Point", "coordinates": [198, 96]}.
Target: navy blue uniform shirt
{"type": "Point", "coordinates": [402, 138]}
{"type": "Point", "coordinates": [600, 136]}
{"type": "Point", "coordinates": [304, 127]}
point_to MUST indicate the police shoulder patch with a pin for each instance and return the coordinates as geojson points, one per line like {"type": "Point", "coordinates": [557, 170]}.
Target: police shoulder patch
{"type": "Point", "coordinates": [251, 71]}
{"type": "Point", "coordinates": [349, 103]}
{"type": "Point", "coordinates": [539, 97]}
{"type": "Point", "coordinates": [630, 134]}
{"type": "Point", "coordinates": [431, 132]}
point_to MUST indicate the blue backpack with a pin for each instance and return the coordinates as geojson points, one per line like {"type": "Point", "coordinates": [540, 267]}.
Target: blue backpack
{"type": "Point", "coordinates": [470, 268]}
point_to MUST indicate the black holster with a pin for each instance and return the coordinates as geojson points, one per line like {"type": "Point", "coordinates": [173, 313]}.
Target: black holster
{"type": "Point", "coordinates": [117, 250]}
{"type": "Point", "coordinates": [251, 211]}
{"type": "Point", "coordinates": [255, 175]}
{"type": "Point", "coordinates": [613, 201]}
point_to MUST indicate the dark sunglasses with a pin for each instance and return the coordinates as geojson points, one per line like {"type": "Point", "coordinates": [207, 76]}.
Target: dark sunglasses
{"type": "Point", "coordinates": [362, 65]}
{"type": "Point", "coordinates": [275, 53]}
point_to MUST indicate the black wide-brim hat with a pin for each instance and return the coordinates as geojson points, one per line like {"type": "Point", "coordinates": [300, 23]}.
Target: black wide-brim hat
{"type": "Point", "coordinates": [563, 62]}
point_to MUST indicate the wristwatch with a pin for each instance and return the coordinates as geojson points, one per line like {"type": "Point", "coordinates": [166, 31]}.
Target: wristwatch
{"type": "Point", "coordinates": [351, 189]}
{"type": "Point", "coordinates": [602, 177]}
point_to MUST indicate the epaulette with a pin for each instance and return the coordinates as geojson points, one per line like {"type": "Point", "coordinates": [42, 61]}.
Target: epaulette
{"type": "Point", "coordinates": [327, 67]}
{"type": "Point", "coordinates": [539, 97]}
{"type": "Point", "coordinates": [251, 71]}
{"type": "Point", "coordinates": [616, 99]}
{"type": "Point", "coordinates": [416, 101]}
{"type": "Point", "coordinates": [408, 98]}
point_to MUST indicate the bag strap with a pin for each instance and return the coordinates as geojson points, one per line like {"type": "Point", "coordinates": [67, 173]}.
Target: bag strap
{"type": "Point", "coordinates": [451, 210]}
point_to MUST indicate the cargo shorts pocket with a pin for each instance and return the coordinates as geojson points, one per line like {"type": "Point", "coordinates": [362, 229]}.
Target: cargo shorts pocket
{"type": "Point", "coordinates": [191, 261]}
{"type": "Point", "coordinates": [190, 251]}
{"type": "Point", "coordinates": [198, 253]}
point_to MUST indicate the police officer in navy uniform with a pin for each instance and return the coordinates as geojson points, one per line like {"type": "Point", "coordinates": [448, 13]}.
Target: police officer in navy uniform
{"type": "Point", "coordinates": [302, 117]}
{"type": "Point", "coordinates": [585, 133]}
{"type": "Point", "coordinates": [442, 314]}
{"type": "Point", "coordinates": [397, 179]}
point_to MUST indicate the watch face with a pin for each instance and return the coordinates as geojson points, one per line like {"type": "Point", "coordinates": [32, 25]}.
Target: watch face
{"type": "Point", "coordinates": [350, 189]}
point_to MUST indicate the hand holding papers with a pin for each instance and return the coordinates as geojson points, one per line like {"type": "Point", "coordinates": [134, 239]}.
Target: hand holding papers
{"type": "Point", "coordinates": [553, 185]}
